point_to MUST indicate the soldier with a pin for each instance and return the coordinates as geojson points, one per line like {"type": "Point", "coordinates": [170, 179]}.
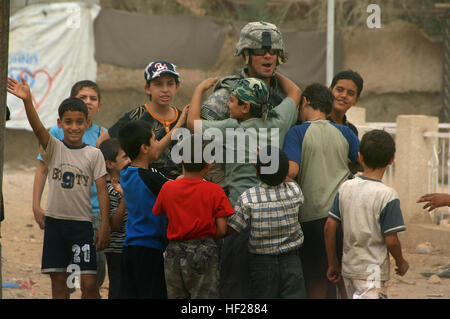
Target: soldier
{"type": "Point", "coordinates": [261, 46]}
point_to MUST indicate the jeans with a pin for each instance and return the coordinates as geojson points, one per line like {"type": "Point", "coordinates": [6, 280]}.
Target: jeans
{"type": "Point", "coordinates": [277, 276]}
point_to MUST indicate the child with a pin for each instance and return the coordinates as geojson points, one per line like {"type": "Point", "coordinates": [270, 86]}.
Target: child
{"type": "Point", "coordinates": [346, 87]}
{"type": "Point", "coordinates": [371, 217]}
{"type": "Point", "coordinates": [116, 160]}
{"type": "Point", "coordinates": [270, 209]}
{"type": "Point", "coordinates": [197, 211]}
{"type": "Point", "coordinates": [68, 232]}
{"type": "Point", "coordinates": [89, 92]}
{"type": "Point", "coordinates": [318, 152]}
{"type": "Point", "coordinates": [161, 85]}
{"type": "Point", "coordinates": [142, 273]}
{"type": "Point", "coordinates": [249, 111]}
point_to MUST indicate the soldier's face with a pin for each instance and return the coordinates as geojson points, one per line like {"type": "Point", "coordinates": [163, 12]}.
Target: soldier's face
{"type": "Point", "coordinates": [262, 66]}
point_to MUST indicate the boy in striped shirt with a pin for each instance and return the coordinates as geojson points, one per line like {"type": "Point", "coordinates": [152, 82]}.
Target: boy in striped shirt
{"type": "Point", "coordinates": [271, 209]}
{"type": "Point", "coordinates": [115, 160]}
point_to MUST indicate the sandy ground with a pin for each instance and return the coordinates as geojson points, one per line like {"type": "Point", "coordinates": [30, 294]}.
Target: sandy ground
{"type": "Point", "coordinates": [22, 249]}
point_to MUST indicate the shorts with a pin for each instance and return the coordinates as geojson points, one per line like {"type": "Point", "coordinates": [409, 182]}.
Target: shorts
{"type": "Point", "coordinates": [313, 253]}
{"type": "Point", "coordinates": [364, 289]}
{"type": "Point", "coordinates": [68, 243]}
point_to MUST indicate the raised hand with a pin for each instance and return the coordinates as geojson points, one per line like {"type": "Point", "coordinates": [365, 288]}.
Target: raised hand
{"type": "Point", "coordinates": [21, 90]}
{"type": "Point", "coordinates": [183, 117]}
{"type": "Point", "coordinates": [208, 83]}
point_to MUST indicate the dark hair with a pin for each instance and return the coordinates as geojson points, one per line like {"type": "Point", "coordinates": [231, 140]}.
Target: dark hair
{"type": "Point", "coordinates": [82, 84]}
{"type": "Point", "coordinates": [110, 149]}
{"type": "Point", "coordinates": [319, 97]}
{"type": "Point", "coordinates": [277, 177]}
{"type": "Point", "coordinates": [255, 110]}
{"type": "Point", "coordinates": [191, 165]}
{"type": "Point", "coordinates": [377, 148]}
{"type": "Point", "coordinates": [72, 104]}
{"type": "Point", "coordinates": [349, 75]}
{"type": "Point", "coordinates": [133, 135]}
{"type": "Point", "coordinates": [8, 113]}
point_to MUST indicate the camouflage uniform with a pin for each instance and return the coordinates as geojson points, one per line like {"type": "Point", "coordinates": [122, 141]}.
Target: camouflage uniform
{"type": "Point", "coordinates": [234, 255]}
{"type": "Point", "coordinates": [192, 269]}
{"type": "Point", "coordinates": [215, 107]}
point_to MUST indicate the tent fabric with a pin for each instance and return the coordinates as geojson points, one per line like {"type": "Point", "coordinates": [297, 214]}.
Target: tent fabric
{"type": "Point", "coordinates": [133, 40]}
{"type": "Point", "coordinates": [307, 55]}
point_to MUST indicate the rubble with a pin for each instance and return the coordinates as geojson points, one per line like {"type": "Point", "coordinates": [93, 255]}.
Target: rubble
{"type": "Point", "coordinates": [424, 248]}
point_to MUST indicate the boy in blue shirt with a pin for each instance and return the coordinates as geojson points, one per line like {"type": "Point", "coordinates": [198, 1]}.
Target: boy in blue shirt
{"type": "Point", "coordinates": [142, 272]}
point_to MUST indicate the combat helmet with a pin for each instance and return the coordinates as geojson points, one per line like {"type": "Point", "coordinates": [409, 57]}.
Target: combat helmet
{"type": "Point", "coordinates": [255, 35]}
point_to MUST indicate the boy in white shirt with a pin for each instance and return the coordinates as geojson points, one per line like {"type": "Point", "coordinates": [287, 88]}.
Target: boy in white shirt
{"type": "Point", "coordinates": [371, 217]}
{"type": "Point", "coordinates": [73, 165]}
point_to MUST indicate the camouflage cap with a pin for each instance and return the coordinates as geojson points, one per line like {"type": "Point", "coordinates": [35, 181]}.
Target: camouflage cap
{"type": "Point", "coordinates": [255, 35]}
{"type": "Point", "coordinates": [251, 90]}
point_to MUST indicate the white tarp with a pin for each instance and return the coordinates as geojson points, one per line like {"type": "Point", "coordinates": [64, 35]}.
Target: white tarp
{"type": "Point", "coordinates": [52, 46]}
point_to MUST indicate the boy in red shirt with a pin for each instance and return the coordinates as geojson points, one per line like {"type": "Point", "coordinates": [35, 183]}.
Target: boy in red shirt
{"type": "Point", "coordinates": [197, 211]}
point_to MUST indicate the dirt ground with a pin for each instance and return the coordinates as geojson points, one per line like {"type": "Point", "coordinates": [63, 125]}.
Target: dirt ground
{"type": "Point", "coordinates": [22, 248]}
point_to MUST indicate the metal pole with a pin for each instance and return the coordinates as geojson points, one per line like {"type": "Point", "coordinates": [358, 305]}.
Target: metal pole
{"type": "Point", "coordinates": [330, 42]}
{"type": "Point", "coordinates": [4, 38]}
{"type": "Point", "coordinates": [446, 65]}
{"type": "Point", "coordinates": [445, 111]}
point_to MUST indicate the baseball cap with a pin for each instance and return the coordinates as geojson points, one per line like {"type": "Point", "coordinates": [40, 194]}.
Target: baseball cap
{"type": "Point", "coordinates": [155, 69]}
